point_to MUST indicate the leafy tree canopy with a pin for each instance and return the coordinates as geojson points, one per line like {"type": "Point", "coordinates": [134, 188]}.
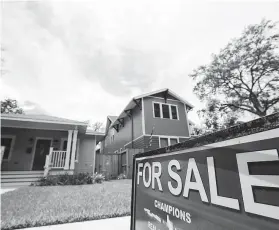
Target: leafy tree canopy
{"type": "Point", "coordinates": [10, 106]}
{"type": "Point", "coordinates": [244, 76]}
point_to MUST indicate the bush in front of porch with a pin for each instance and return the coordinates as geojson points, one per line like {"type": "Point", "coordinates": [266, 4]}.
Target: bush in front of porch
{"type": "Point", "coordinates": [67, 179]}
{"type": "Point", "coordinates": [40, 206]}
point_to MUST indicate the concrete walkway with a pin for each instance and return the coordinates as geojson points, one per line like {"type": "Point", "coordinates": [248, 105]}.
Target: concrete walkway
{"type": "Point", "coordinates": [4, 190]}
{"type": "Point", "coordinates": [122, 223]}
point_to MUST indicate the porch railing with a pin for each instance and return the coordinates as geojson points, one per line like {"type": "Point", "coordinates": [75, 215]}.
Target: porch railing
{"type": "Point", "coordinates": [57, 159]}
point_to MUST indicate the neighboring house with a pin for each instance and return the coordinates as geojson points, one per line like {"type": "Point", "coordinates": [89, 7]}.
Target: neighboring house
{"type": "Point", "coordinates": [148, 122]}
{"type": "Point", "coordinates": [29, 139]}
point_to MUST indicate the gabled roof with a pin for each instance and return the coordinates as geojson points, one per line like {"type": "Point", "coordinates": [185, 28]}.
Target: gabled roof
{"type": "Point", "coordinates": [133, 103]}
{"type": "Point", "coordinates": [170, 92]}
{"type": "Point", "coordinates": [41, 119]}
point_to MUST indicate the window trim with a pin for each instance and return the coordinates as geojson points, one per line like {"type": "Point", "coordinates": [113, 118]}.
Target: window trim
{"type": "Point", "coordinates": [168, 137]}
{"type": "Point", "coordinates": [161, 110]}
{"type": "Point", "coordinates": [13, 137]}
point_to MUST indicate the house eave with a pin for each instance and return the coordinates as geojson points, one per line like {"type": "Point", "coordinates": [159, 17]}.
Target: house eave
{"type": "Point", "coordinates": [44, 121]}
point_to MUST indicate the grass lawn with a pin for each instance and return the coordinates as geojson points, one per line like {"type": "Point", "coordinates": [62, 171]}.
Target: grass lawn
{"type": "Point", "coordinates": [38, 206]}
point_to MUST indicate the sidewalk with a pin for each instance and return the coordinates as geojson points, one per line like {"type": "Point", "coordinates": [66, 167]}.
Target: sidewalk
{"type": "Point", "coordinates": [122, 223]}
{"type": "Point", "coordinates": [4, 190]}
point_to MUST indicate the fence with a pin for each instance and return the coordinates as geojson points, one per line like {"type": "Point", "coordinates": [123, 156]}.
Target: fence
{"type": "Point", "coordinates": [111, 165]}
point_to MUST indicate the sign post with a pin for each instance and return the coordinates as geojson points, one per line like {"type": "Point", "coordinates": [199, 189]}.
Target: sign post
{"type": "Point", "coordinates": [230, 184]}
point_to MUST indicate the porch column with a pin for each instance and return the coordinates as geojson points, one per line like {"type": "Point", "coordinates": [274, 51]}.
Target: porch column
{"type": "Point", "coordinates": [72, 166]}
{"type": "Point", "coordinates": [69, 142]}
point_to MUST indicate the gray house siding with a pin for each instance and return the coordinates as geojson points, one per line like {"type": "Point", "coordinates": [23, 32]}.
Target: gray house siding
{"type": "Point", "coordinates": [125, 133]}
{"type": "Point", "coordinates": [151, 145]}
{"type": "Point", "coordinates": [137, 144]}
{"type": "Point", "coordinates": [166, 127]}
{"type": "Point", "coordinates": [86, 154]}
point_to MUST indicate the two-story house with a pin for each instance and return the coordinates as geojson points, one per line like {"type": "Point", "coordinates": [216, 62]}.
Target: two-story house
{"type": "Point", "coordinates": [148, 122]}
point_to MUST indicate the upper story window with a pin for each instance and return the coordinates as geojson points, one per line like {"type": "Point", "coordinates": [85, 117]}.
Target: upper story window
{"type": "Point", "coordinates": [166, 111]}
{"type": "Point", "coordinates": [157, 110]}
{"type": "Point", "coordinates": [173, 112]}
{"type": "Point", "coordinates": [162, 110]}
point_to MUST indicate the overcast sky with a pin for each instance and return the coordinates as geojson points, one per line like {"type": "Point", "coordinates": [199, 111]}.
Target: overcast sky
{"type": "Point", "coordinates": [86, 60]}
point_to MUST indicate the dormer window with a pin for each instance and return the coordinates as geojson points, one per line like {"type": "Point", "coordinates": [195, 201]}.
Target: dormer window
{"type": "Point", "coordinates": [166, 111]}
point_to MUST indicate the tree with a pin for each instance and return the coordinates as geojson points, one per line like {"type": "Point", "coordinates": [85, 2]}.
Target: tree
{"type": "Point", "coordinates": [10, 106]}
{"type": "Point", "coordinates": [216, 118]}
{"type": "Point", "coordinates": [244, 76]}
{"type": "Point", "coordinates": [97, 126]}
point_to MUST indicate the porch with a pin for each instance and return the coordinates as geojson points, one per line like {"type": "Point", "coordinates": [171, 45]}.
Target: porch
{"type": "Point", "coordinates": [50, 152]}
{"type": "Point", "coordinates": [32, 149]}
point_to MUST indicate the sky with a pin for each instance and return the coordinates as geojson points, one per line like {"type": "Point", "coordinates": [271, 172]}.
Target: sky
{"type": "Point", "coordinates": [85, 60]}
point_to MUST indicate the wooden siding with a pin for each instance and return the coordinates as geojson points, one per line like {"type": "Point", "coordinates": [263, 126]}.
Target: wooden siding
{"type": "Point", "coordinates": [154, 143]}
{"type": "Point", "coordinates": [86, 154]}
{"type": "Point", "coordinates": [137, 144]}
{"type": "Point", "coordinates": [125, 133]}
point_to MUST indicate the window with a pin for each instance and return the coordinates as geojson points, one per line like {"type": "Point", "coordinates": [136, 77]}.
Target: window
{"type": "Point", "coordinates": [7, 142]}
{"type": "Point", "coordinates": [164, 142]}
{"type": "Point", "coordinates": [120, 150]}
{"type": "Point", "coordinates": [167, 141]}
{"type": "Point", "coordinates": [157, 111]}
{"type": "Point", "coordinates": [174, 112]}
{"type": "Point", "coordinates": [167, 111]}
{"type": "Point", "coordinates": [173, 141]}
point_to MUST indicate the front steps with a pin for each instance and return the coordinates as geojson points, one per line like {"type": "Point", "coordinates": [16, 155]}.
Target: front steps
{"type": "Point", "coordinates": [10, 179]}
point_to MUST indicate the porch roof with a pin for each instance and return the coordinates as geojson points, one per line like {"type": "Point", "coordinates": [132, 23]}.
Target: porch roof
{"type": "Point", "coordinates": [41, 119]}
{"type": "Point", "coordinates": [43, 122]}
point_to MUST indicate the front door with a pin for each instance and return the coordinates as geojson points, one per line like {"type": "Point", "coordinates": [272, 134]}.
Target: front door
{"type": "Point", "coordinates": [42, 149]}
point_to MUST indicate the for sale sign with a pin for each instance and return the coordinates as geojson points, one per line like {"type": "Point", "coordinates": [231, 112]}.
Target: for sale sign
{"type": "Point", "coordinates": [227, 185]}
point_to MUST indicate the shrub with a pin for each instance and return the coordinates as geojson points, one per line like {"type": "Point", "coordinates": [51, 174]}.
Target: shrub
{"type": "Point", "coordinates": [121, 176]}
{"type": "Point", "coordinates": [98, 178]}
{"type": "Point", "coordinates": [66, 179]}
